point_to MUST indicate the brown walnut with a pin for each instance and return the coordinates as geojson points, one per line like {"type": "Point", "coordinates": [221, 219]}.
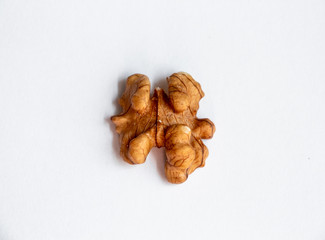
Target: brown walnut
{"type": "Point", "coordinates": [164, 121]}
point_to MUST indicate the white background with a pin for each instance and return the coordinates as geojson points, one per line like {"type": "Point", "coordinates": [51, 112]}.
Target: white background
{"type": "Point", "coordinates": [63, 65]}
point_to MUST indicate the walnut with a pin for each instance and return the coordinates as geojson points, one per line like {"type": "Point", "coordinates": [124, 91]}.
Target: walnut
{"type": "Point", "coordinates": [164, 121]}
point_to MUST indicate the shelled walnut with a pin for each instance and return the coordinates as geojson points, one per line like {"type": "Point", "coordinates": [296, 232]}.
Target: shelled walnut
{"type": "Point", "coordinates": [164, 121]}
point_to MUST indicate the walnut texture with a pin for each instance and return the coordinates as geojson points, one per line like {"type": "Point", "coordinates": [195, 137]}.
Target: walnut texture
{"type": "Point", "coordinates": [164, 121]}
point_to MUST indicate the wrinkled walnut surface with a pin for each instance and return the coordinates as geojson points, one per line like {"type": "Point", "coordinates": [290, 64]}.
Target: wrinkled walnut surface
{"type": "Point", "coordinates": [164, 121]}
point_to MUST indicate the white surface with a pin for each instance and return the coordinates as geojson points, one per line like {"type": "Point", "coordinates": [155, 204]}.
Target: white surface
{"type": "Point", "coordinates": [261, 65]}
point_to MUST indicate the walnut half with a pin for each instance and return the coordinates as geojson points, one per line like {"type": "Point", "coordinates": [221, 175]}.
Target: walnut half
{"type": "Point", "coordinates": [164, 121]}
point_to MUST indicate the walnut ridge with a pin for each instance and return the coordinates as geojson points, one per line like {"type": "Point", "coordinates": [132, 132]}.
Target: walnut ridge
{"type": "Point", "coordinates": [164, 121]}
